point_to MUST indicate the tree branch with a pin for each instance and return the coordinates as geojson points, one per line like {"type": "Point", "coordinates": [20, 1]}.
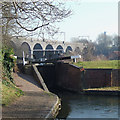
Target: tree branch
{"type": "Point", "coordinates": [30, 30]}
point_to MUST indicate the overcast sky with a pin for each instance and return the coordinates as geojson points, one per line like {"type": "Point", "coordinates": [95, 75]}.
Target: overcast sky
{"type": "Point", "coordinates": [90, 18]}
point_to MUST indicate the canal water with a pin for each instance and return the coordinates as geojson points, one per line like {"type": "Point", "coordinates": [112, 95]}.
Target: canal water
{"type": "Point", "coordinates": [84, 106]}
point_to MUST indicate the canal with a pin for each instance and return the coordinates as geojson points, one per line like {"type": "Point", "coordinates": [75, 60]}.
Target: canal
{"type": "Point", "coordinates": [75, 105]}
{"type": "Point", "coordinates": [86, 106]}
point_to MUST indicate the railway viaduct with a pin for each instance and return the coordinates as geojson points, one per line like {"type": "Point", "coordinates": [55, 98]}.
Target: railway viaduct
{"type": "Point", "coordinates": [37, 48]}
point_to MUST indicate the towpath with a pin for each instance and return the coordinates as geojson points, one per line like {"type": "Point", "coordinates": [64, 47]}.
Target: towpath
{"type": "Point", "coordinates": [35, 103]}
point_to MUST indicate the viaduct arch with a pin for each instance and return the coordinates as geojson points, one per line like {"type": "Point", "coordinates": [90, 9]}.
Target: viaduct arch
{"type": "Point", "coordinates": [26, 48]}
{"type": "Point", "coordinates": [37, 54]}
{"type": "Point", "coordinates": [49, 51]}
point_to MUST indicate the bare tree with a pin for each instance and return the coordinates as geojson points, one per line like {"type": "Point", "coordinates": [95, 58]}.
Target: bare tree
{"type": "Point", "coordinates": [116, 40]}
{"type": "Point", "coordinates": [105, 40]}
{"type": "Point", "coordinates": [35, 17]}
{"type": "Point", "coordinates": [88, 51]}
{"type": "Point", "coordinates": [104, 44]}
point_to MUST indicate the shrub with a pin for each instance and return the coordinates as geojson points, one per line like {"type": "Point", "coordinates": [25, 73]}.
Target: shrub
{"type": "Point", "coordinates": [8, 62]}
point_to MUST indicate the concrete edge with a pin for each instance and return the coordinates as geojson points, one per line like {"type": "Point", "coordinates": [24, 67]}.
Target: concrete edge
{"type": "Point", "coordinates": [100, 92]}
{"type": "Point", "coordinates": [39, 77]}
{"type": "Point", "coordinates": [55, 109]}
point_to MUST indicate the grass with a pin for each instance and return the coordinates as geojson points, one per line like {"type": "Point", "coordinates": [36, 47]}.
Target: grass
{"type": "Point", "coordinates": [111, 64]}
{"type": "Point", "coordinates": [10, 94]}
{"type": "Point", "coordinates": [105, 89]}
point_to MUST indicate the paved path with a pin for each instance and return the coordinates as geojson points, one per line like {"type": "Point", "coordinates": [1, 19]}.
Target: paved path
{"type": "Point", "coordinates": [34, 104]}
{"type": "Point", "coordinates": [26, 82]}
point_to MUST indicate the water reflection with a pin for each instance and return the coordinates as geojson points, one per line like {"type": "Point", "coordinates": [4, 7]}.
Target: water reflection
{"type": "Point", "coordinates": [83, 106]}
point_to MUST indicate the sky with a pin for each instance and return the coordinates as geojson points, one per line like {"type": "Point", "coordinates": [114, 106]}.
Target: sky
{"type": "Point", "coordinates": [90, 18]}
